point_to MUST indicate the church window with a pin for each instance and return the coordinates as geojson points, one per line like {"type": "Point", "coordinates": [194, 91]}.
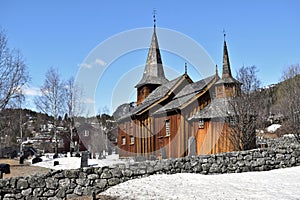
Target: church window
{"type": "Point", "coordinates": [131, 139]}
{"type": "Point", "coordinates": [123, 140]}
{"type": "Point", "coordinates": [201, 123]}
{"type": "Point", "coordinates": [168, 128]}
{"type": "Point", "coordinates": [232, 121]}
{"type": "Point", "coordinates": [86, 133]}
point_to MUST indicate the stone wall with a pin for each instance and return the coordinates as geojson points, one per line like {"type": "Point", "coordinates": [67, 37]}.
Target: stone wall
{"type": "Point", "coordinates": [70, 183]}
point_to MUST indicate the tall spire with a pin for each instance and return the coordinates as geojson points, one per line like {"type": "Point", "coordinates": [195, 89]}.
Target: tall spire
{"type": "Point", "coordinates": [153, 72]}
{"type": "Point", "coordinates": [226, 64]}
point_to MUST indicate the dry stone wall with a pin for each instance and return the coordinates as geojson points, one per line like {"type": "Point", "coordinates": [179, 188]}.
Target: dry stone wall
{"type": "Point", "coordinates": [71, 183]}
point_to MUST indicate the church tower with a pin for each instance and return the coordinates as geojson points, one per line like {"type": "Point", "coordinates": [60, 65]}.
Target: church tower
{"type": "Point", "coordinates": [227, 86]}
{"type": "Point", "coordinates": [154, 75]}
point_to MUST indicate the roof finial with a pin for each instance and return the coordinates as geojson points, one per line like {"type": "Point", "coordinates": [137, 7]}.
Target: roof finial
{"type": "Point", "coordinates": [224, 33]}
{"type": "Point", "coordinates": [185, 68]}
{"type": "Point", "coordinates": [217, 70]}
{"type": "Point", "coordinates": [154, 17]}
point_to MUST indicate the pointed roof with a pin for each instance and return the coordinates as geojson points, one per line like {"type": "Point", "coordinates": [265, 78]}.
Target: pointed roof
{"type": "Point", "coordinates": [153, 72]}
{"type": "Point", "coordinates": [226, 64]}
{"type": "Point", "coordinates": [226, 71]}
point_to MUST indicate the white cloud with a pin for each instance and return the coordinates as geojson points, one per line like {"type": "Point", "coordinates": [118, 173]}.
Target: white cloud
{"type": "Point", "coordinates": [100, 62]}
{"type": "Point", "coordinates": [32, 91]}
{"type": "Point", "coordinates": [85, 65]}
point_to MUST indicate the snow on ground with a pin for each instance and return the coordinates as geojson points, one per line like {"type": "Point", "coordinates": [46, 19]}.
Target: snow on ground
{"type": "Point", "coordinates": [273, 128]}
{"type": "Point", "coordinates": [74, 162]}
{"type": "Point", "coordinates": [276, 184]}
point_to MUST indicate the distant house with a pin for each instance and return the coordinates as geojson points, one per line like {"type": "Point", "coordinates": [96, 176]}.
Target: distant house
{"type": "Point", "coordinates": [90, 138]}
{"type": "Point", "coordinates": [170, 113]}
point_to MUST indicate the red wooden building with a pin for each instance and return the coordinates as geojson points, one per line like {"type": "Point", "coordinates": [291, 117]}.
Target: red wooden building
{"type": "Point", "coordinates": [171, 112]}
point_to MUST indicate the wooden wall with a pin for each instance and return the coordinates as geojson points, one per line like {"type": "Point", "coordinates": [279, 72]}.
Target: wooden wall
{"type": "Point", "coordinates": [213, 138]}
{"type": "Point", "coordinates": [150, 133]}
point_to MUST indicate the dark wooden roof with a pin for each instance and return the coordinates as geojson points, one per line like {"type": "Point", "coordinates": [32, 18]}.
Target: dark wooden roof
{"type": "Point", "coordinates": [154, 71]}
{"type": "Point", "coordinates": [156, 95]}
{"type": "Point", "coordinates": [186, 94]}
{"type": "Point", "coordinates": [219, 107]}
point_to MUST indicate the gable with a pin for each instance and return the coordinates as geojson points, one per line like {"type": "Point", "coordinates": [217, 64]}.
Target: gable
{"type": "Point", "coordinates": [160, 95]}
{"type": "Point", "coordinates": [188, 94]}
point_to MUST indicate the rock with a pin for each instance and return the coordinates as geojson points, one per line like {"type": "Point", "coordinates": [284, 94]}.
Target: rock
{"type": "Point", "coordinates": [261, 161]}
{"type": "Point", "coordinates": [64, 182]}
{"type": "Point", "coordinates": [248, 157]}
{"type": "Point", "coordinates": [72, 173]}
{"type": "Point", "coordinates": [296, 153]}
{"type": "Point", "coordinates": [82, 175]}
{"type": "Point", "coordinates": [37, 192]}
{"type": "Point", "coordinates": [26, 192]}
{"type": "Point", "coordinates": [51, 183]}
{"type": "Point", "coordinates": [13, 182]}
{"type": "Point", "coordinates": [240, 163]}
{"type": "Point", "coordinates": [37, 181]}
{"type": "Point", "coordinates": [3, 183]}
{"type": "Point", "coordinates": [205, 167]}
{"type": "Point", "coordinates": [279, 157]}
{"type": "Point", "coordinates": [116, 172]}
{"type": "Point", "coordinates": [93, 176]}
{"type": "Point", "coordinates": [59, 174]}
{"type": "Point", "coordinates": [49, 193]}
{"type": "Point", "coordinates": [61, 193]}
{"type": "Point", "coordinates": [214, 169]}
{"type": "Point", "coordinates": [113, 181]}
{"type": "Point", "coordinates": [80, 190]}
{"type": "Point", "coordinates": [127, 173]}
{"type": "Point", "coordinates": [106, 174]}
{"type": "Point", "coordinates": [101, 183]}
{"type": "Point", "coordinates": [82, 182]}
{"type": "Point", "coordinates": [22, 184]}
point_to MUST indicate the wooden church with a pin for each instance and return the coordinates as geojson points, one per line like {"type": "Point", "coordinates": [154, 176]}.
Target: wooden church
{"type": "Point", "coordinates": [172, 114]}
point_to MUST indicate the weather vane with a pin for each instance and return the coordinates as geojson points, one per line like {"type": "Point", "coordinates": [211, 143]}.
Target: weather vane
{"type": "Point", "coordinates": [154, 16]}
{"type": "Point", "coordinates": [224, 32]}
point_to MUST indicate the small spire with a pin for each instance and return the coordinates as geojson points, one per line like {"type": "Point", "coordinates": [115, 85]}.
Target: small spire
{"type": "Point", "coordinates": [185, 68]}
{"type": "Point", "coordinates": [217, 73]}
{"type": "Point", "coordinates": [154, 17]}
{"type": "Point", "coordinates": [226, 64]}
{"type": "Point", "coordinates": [224, 33]}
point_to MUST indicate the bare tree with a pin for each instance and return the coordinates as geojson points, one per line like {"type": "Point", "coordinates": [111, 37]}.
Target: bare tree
{"type": "Point", "coordinates": [51, 100]}
{"type": "Point", "coordinates": [73, 106]}
{"type": "Point", "coordinates": [244, 110]}
{"type": "Point", "coordinates": [289, 101]}
{"type": "Point", "coordinates": [73, 98]}
{"type": "Point", "coordinates": [13, 74]}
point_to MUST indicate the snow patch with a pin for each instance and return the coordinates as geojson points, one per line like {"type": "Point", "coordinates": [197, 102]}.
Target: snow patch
{"type": "Point", "coordinates": [273, 128]}
{"type": "Point", "coordinates": [276, 184]}
{"type": "Point", "coordinates": [74, 162]}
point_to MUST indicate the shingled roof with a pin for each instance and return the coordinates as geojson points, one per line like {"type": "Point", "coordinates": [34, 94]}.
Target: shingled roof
{"type": "Point", "coordinates": [154, 71]}
{"type": "Point", "coordinates": [219, 107]}
{"type": "Point", "coordinates": [226, 72]}
{"type": "Point", "coordinates": [156, 95]}
{"type": "Point", "coordinates": [186, 94]}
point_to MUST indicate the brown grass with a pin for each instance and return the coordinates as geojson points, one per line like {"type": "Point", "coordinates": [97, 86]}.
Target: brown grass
{"type": "Point", "coordinates": [17, 170]}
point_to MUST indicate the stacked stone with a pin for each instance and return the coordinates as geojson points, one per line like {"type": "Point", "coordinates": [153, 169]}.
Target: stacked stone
{"type": "Point", "coordinates": [72, 183]}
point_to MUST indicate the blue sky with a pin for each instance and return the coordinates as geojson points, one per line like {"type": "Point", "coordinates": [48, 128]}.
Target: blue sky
{"type": "Point", "coordinates": [62, 34]}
